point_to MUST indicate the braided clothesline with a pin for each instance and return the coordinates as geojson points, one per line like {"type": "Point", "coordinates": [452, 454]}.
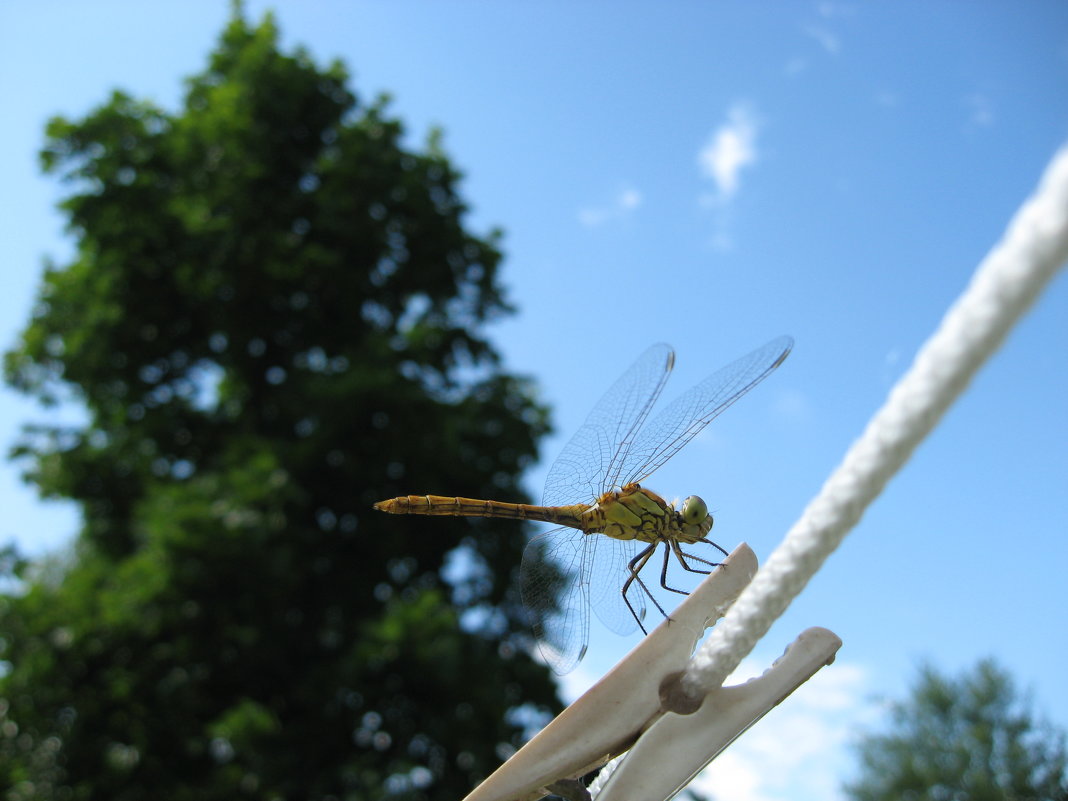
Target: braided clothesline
{"type": "Point", "coordinates": [1034, 247]}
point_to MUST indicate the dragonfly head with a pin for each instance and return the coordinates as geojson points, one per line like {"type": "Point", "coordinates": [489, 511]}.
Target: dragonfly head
{"type": "Point", "coordinates": [694, 517]}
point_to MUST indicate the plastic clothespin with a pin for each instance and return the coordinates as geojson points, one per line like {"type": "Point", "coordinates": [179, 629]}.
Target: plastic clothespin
{"type": "Point", "coordinates": [607, 720]}
{"type": "Point", "coordinates": [677, 747]}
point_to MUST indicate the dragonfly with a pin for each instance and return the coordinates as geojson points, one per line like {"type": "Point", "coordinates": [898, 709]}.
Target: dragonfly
{"type": "Point", "coordinates": [595, 488]}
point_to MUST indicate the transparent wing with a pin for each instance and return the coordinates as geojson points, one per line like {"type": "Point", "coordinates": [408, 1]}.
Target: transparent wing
{"type": "Point", "coordinates": [565, 571]}
{"type": "Point", "coordinates": [588, 464]}
{"type": "Point", "coordinates": [556, 595]}
{"type": "Point", "coordinates": [689, 413]}
{"type": "Point", "coordinates": [608, 575]}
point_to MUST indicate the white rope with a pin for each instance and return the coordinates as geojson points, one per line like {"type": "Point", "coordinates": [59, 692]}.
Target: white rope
{"type": "Point", "coordinates": [601, 779]}
{"type": "Point", "coordinates": [1034, 246]}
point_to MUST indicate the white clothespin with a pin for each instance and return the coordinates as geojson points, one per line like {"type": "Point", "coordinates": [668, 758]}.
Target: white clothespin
{"type": "Point", "coordinates": [678, 747]}
{"type": "Point", "coordinates": [609, 718]}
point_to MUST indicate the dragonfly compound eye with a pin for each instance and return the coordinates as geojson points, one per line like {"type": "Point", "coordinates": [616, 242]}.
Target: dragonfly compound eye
{"type": "Point", "coordinates": [694, 510]}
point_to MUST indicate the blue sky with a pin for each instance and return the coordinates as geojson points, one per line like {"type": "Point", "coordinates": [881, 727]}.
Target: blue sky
{"type": "Point", "coordinates": [709, 175]}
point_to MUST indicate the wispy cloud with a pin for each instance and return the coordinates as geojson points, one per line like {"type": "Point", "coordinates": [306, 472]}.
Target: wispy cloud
{"type": "Point", "coordinates": [792, 405]}
{"type": "Point", "coordinates": [822, 33]}
{"type": "Point", "coordinates": [887, 98]}
{"type": "Point", "coordinates": [622, 204]}
{"type": "Point", "coordinates": [795, 66]}
{"type": "Point", "coordinates": [828, 9]}
{"type": "Point", "coordinates": [824, 37]}
{"type": "Point", "coordinates": [980, 110]}
{"type": "Point", "coordinates": [731, 148]}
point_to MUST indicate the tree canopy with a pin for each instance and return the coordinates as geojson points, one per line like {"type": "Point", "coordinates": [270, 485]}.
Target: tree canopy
{"type": "Point", "coordinates": [275, 317]}
{"type": "Point", "coordinates": [971, 738]}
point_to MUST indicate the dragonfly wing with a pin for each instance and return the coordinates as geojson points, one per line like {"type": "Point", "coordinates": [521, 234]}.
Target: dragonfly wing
{"type": "Point", "coordinates": [609, 573]}
{"type": "Point", "coordinates": [692, 411]}
{"type": "Point", "coordinates": [554, 581]}
{"type": "Point", "coordinates": [564, 570]}
{"type": "Point", "coordinates": [588, 464]}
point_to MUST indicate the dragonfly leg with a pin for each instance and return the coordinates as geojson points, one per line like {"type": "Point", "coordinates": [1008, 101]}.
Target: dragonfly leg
{"type": "Point", "coordinates": [719, 548]}
{"type": "Point", "coordinates": [682, 556]}
{"type": "Point", "coordinates": [673, 547]}
{"type": "Point", "coordinates": [634, 567]}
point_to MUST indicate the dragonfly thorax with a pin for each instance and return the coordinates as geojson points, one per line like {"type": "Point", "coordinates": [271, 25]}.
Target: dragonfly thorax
{"type": "Point", "coordinates": [635, 513]}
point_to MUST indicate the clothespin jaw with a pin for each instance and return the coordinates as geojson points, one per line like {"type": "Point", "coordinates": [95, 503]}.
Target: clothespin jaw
{"type": "Point", "coordinates": [677, 747]}
{"type": "Point", "coordinates": [608, 718]}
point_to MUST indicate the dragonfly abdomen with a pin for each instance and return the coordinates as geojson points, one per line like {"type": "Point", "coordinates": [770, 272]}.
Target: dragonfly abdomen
{"type": "Point", "coordinates": [472, 507]}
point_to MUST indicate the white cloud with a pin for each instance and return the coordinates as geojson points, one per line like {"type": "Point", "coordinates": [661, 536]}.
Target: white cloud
{"type": "Point", "coordinates": [822, 33]}
{"type": "Point", "coordinates": [980, 110]}
{"type": "Point", "coordinates": [893, 366]}
{"type": "Point", "coordinates": [793, 405]}
{"type": "Point", "coordinates": [577, 682]}
{"type": "Point", "coordinates": [731, 148]}
{"type": "Point", "coordinates": [629, 199]}
{"type": "Point", "coordinates": [831, 9]}
{"type": "Point", "coordinates": [886, 98]}
{"type": "Point", "coordinates": [591, 217]}
{"type": "Point", "coordinates": [625, 201]}
{"type": "Point", "coordinates": [825, 38]}
{"type": "Point", "coordinates": [795, 66]}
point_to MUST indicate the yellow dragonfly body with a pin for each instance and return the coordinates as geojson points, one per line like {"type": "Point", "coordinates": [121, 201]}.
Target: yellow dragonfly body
{"type": "Point", "coordinates": [633, 513]}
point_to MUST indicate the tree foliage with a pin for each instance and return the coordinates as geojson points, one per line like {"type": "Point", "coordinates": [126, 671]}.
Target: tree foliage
{"type": "Point", "coordinates": [973, 738]}
{"type": "Point", "coordinates": [273, 319]}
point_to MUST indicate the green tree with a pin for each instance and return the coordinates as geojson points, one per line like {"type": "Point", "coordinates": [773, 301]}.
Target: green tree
{"type": "Point", "coordinates": [969, 739]}
{"type": "Point", "coordinates": [273, 319]}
